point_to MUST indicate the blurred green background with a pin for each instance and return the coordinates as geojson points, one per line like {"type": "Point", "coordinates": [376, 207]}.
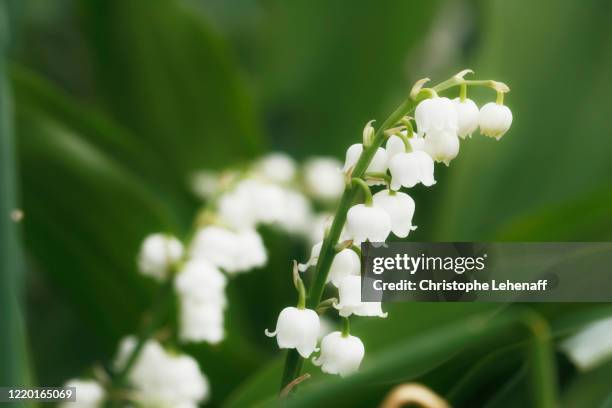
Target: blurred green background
{"type": "Point", "coordinates": [106, 107]}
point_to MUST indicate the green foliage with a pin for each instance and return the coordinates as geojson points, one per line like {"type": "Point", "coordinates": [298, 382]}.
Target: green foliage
{"type": "Point", "coordinates": [146, 92]}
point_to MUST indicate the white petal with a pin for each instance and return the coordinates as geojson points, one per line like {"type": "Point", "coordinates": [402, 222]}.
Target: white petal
{"type": "Point", "coordinates": [352, 156]}
{"type": "Point", "coordinates": [495, 120]}
{"type": "Point", "coordinates": [400, 207]}
{"type": "Point", "coordinates": [467, 116]}
{"type": "Point", "coordinates": [345, 263]}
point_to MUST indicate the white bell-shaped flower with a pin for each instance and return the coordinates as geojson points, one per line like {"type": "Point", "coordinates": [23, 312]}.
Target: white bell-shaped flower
{"type": "Point", "coordinates": [495, 120]}
{"type": "Point", "coordinates": [400, 207]}
{"type": "Point", "coordinates": [345, 263]}
{"type": "Point", "coordinates": [394, 146]}
{"type": "Point", "coordinates": [201, 282]}
{"type": "Point", "coordinates": [409, 169]}
{"type": "Point", "coordinates": [158, 253]}
{"type": "Point", "coordinates": [161, 378]}
{"type": "Point", "coordinates": [350, 302]}
{"type": "Point", "coordinates": [436, 114]}
{"type": "Point", "coordinates": [90, 394]}
{"type": "Point", "coordinates": [378, 164]}
{"type": "Point", "coordinates": [340, 354]}
{"type": "Point", "coordinates": [323, 178]}
{"type": "Point", "coordinates": [277, 167]}
{"type": "Point", "coordinates": [201, 321]}
{"type": "Point", "coordinates": [231, 251]}
{"type": "Point", "coordinates": [369, 223]}
{"type": "Point", "coordinates": [298, 329]}
{"type": "Point", "coordinates": [442, 146]}
{"type": "Point", "coordinates": [467, 116]}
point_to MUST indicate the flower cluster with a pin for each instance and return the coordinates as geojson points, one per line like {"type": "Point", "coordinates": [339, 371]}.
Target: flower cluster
{"type": "Point", "coordinates": [273, 191]}
{"type": "Point", "coordinates": [399, 155]}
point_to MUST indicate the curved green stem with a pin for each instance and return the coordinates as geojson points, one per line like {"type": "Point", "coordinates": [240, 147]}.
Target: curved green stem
{"type": "Point", "coordinates": [346, 327]}
{"type": "Point", "coordinates": [158, 315]}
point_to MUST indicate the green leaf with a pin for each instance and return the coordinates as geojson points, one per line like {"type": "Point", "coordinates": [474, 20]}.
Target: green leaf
{"type": "Point", "coordinates": [14, 369]}
{"type": "Point", "coordinates": [85, 215]}
{"type": "Point", "coordinates": [167, 76]}
{"type": "Point", "coordinates": [327, 68]}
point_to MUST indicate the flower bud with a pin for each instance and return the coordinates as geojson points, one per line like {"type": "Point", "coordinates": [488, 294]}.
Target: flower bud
{"type": "Point", "coordinates": [298, 329]}
{"type": "Point", "coordinates": [158, 253]}
{"type": "Point", "coordinates": [495, 120]}
{"type": "Point", "coordinates": [467, 116]}
{"type": "Point", "coordinates": [350, 303]}
{"type": "Point", "coordinates": [340, 355]}
{"type": "Point", "coordinates": [409, 169]}
{"type": "Point", "coordinates": [367, 223]}
{"type": "Point", "coordinates": [435, 114]}
{"type": "Point", "coordinates": [400, 207]}
{"type": "Point", "coordinates": [368, 134]}
{"type": "Point", "coordinates": [345, 263]}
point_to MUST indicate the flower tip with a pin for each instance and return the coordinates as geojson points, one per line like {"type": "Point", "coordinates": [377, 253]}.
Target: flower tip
{"type": "Point", "coordinates": [463, 73]}
{"type": "Point", "coordinates": [270, 334]}
{"type": "Point", "coordinates": [418, 85]}
{"type": "Point", "coordinates": [501, 87]}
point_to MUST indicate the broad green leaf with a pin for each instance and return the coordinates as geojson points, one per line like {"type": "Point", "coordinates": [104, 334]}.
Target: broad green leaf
{"type": "Point", "coordinates": [13, 369]}
{"type": "Point", "coordinates": [168, 77]}
{"type": "Point", "coordinates": [85, 215]}
{"type": "Point", "coordinates": [327, 68]}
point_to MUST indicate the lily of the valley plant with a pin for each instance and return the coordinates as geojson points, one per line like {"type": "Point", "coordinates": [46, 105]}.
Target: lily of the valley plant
{"type": "Point", "coordinates": [399, 154]}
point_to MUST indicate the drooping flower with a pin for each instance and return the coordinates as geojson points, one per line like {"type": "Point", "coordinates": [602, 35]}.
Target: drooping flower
{"type": "Point", "coordinates": [277, 167]}
{"type": "Point", "coordinates": [160, 378]}
{"type": "Point", "coordinates": [495, 120]}
{"type": "Point", "coordinates": [90, 394]}
{"type": "Point", "coordinates": [201, 282]}
{"type": "Point", "coordinates": [467, 116]}
{"type": "Point", "coordinates": [436, 114]}
{"type": "Point", "coordinates": [400, 207]}
{"type": "Point", "coordinates": [158, 254]}
{"type": "Point", "coordinates": [323, 178]}
{"type": "Point", "coordinates": [345, 263]}
{"type": "Point", "coordinates": [340, 354]}
{"type": "Point", "coordinates": [409, 169]}
{"type": "Point", "coordinates": [298, 329]}
{"type": "Point", "coordinates": [378, 164]}
{"type": "Point", "coordinates": [201, 290]}
{"type": "Point", "coordinates": [201, 321]}
{"type": "Point", "coordinates": [350, 303]}
{"type": "Point", "coordinates": [369, 223]}
{"type": "Point", "coordinates": [229, 250]}
{"type": "Point", "coordinates": [442, 146]}
{"type": "Point", "coordinates": [394, 146]}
